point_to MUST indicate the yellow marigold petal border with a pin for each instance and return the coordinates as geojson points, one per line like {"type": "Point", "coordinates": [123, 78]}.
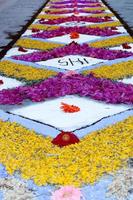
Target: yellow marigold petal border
{"type": "Point", "coordinates": [95, 8]}
{"type": "Point", "coordinates": [45, 16]}
{"type": "Point", "coordinates": [43, 27]}
{"type": "Point", "coordinates": [114, 71]}
{"type": "Point", "coordinates": [112, 41]}
{"type": "Point", "coordinates": [108, 24]}
{"type": "Point", "coordinates": [85, 9]}
{"type": "Point", "coordinates": [100, 152]}
{"type": "Point", "coordinates": [100, 25]}
{"type": "Point", "coordinates": [36, 44]}
{"type": "Point", "coordinates": [23, 72]}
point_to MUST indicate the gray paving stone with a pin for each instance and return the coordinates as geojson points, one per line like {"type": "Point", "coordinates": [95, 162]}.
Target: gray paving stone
{"type": "Point", "coordinates": [124, 8]}
{"type": "Point", "coordinates": [14, 14]}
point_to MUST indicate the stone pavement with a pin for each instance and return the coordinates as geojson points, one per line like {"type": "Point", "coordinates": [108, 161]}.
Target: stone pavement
{"type": "Point", "coordinates": [124, 8]}
{"type": "Point", "coordinates": [14, 14]}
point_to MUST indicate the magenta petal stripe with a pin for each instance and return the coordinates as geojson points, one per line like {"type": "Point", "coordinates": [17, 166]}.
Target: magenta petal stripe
{"type": "Point", "coordinates": [82, 30]}
{"type": "Point", "coordinates": [89, 86]}
{"type": "Point", "coordinates": [71, 11]}
{"type": "Point", "coordinates": [74, 49]}
{"type": "Point", "coordinates": [75, 18]}
{"type": "Point", "coordinates": [79, 6]}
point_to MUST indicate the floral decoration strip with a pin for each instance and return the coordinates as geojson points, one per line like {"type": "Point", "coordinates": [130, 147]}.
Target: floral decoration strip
{"type": "Point", "coordinates": [23, 72]}
{"type": "Point", "coordinates": [74, 18]}
{"type": "Point", "coordinates": [45, 16]}
{"type": "Point", "coordinates": [80, 10]}
{"type": "Point", "coordinates": [42, 27]}
{"type": "Point", "coordinates": [78, 6]}
{"type": "Point", "coordinates": [110, 42]}
{"type": "Point", "coordinates": [36, 44]}
{"type": "Point", "coordinates": [102, 25]}
{"type": "Point", "coordinates": [107, 24]}
{"type": "Point", "coordinates": [96, 8]}
{"type": "Point", "coordinates": [37, 158]}
{"type": "Point", "coordinates": [74, 49]}
{"type": "Point", "coordinates": [72, 11]}
{"type": "Point", "coordinates": [89, 86]}
{"type": "Point", "coordinates": [115, 71]}
{"type": "Point", "coordinates": [82, 30]}
{"type": "Point", "coordinates": [69, 2]}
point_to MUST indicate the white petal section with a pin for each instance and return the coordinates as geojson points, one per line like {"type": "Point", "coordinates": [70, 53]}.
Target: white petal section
{"type": "Point", "coordinates": [28, 32]}
{"type": "Point", "coordinates": [114, 18]}
{"type": "Point", "coordinates": [9, 83]}
{"type": "Point", "coordinates": [108, 11]}
{"type": "Point", "coordinates": [75, 23]}
{"type": "Point", "coordinates": [121, 29]}
{"type": "Point", "coordinates": [35, 21]}
{"type": "Point", "coordinates": [121, 48]}
{"type": "Point", "coordinates": [127, 80]}
{"type": "Point", "coordinates": [71, 62]}
{"type": "Point", "coordinates": [49, 112]}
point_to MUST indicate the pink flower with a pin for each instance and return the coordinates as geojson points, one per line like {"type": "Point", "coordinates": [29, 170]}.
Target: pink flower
{"type": "Point", "coordinates": [67, 193]}
{"type": "Point", "coordinates": [69, 73]}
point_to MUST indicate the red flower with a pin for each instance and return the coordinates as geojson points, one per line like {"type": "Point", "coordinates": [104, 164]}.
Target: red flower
{"type": "Point", "coordinates": [74, 35]}
{"type": "Point", "coordinates": [69, 108]}
{"type": "Point", "coordinates": [126, 46]}
{"type": "Point", "coordinates": [64, 139]}
{"type": "Point", "coordinates": [22, 49]}
{"type": "Point", "coordinates": [1, 82]}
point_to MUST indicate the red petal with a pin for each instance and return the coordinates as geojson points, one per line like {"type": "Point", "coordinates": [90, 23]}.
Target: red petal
{"type": "Point", "coordinates": [74, 35]}
{"type": "Point", "coordinates": [22, 49]}
{"type": "Point", "coordinates": [126, 46]}
{"type": "Point", "coordinates": [69, 108]}
{"type": "Point", "coordinates": [34, 30]}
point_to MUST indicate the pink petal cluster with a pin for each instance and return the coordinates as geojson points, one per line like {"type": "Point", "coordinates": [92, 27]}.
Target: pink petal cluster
{"type": "Point", "coordinates": [67, 193]}
{"type": "Point", "coordinates": [74, 49]}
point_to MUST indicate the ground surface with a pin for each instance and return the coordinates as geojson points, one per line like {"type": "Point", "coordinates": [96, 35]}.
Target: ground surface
{"type": "Point", "coordinates": [13, 15]}
{"type": "Point", "coordinates": [124, 8]}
